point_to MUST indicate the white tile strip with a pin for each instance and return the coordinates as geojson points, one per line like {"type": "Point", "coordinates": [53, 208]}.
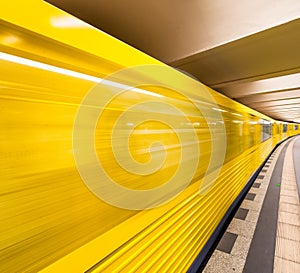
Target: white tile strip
{"type": "Point", "coordinates": [287, 252]}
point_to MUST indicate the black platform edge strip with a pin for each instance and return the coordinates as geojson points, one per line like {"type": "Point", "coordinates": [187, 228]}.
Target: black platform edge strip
{"type": "Point", "coordinates": [297, 164]}
{"type": "Point", "coordinates": [208, 249]}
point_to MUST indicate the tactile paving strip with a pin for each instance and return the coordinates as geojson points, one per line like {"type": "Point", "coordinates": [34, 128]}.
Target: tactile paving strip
{"type": "Point", "coordinates": [287, 252]}
{"type": "Point", "coordinates": [243, 225]}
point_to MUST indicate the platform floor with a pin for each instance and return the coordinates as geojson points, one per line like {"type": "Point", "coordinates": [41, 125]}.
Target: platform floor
{"type": "Point", "coordinates": [264, 235]}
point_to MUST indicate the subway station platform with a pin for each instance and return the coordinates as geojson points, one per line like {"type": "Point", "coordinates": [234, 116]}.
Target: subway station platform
{"type": "Point", "coordinates": [264, 235]}
{"type": "Point", "coordinates": [127, 139]}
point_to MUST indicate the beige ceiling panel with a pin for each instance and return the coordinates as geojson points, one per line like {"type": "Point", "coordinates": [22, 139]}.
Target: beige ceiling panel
{"type": "Point", "coordinates": [283, 111]}
{"type": "Point", "coordinates": [275, 103]}
{"type": "Point", "coordinates": [249, 100]}
{"type": "Point", "coordinates": [240, 90]}
{"type": "Point", "coordinates": [271, 53]}
{"type": "Point", "coordinates": [171, 30]}
{"type": "Point", "coordinates": [294, 107]}
{"type": "Point", "coordinates": [244, 49]}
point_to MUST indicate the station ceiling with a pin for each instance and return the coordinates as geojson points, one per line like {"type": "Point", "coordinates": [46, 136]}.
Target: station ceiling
{"type": "Point", "coordinates": [247, 50]}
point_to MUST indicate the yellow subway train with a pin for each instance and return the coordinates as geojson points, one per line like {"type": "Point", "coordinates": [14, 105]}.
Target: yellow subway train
{"type": "Point", "coordinates": [111, 161]}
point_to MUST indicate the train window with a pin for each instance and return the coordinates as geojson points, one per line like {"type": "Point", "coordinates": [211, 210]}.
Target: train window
{"type": "Point", "coordinates": [296, 126]}
{"type": "Point", "coordinates": [284, 128]}
{"type": "Point", "coordinates": [266, 130]}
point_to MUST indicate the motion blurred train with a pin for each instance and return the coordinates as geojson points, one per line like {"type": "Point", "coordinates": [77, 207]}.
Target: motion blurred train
{"type": "Point", "coordinates": [111, 161]}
